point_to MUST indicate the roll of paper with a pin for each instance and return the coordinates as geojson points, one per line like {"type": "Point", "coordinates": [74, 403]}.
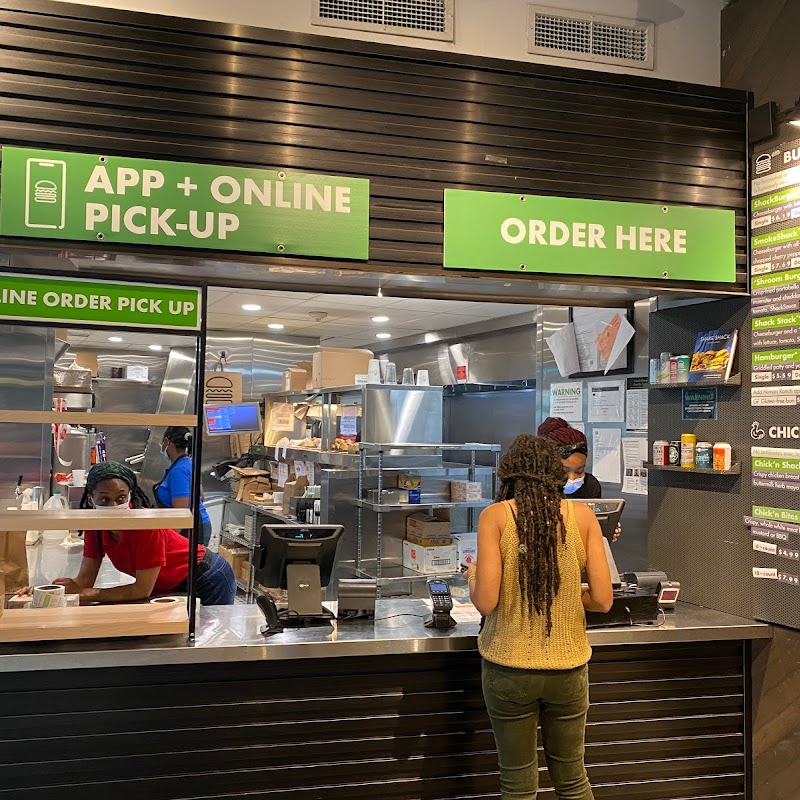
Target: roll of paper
{"type": "Point", "coordinates": [49, 597]}
{"type": "Point", "coordinates": [166, 601]}
{"type": "Point", "coordinates": [72, 600]}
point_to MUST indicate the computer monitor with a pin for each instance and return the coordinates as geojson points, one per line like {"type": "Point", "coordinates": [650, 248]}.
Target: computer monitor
{"type": "Point", "coordinates": [300, 559]}
{"type": "Point", "coordinates": [608, 513]}
{"type": "Point", "coordinates": [226, 420]}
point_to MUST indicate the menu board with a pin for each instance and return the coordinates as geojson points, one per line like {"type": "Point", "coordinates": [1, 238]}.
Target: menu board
{"type": "Point", "coordinates": [775, 382]}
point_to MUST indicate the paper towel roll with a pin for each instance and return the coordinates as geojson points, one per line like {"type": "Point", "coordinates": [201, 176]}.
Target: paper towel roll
{"type": "Point", "coordinates": [166, 601]}
{"type": "Point", "coordinates": [49, 596]}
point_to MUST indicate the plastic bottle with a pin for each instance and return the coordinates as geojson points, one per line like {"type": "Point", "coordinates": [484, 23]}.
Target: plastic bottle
{"type": "Point", "coordinates": [29, 504]}
{"type": "Point", "coordinates": [56, 503]}
{"type": "Point", "coordinates": [101, 448]}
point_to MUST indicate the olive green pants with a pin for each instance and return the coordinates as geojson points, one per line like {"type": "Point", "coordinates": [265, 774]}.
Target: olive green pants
{"type": "Point", "coordinates": [518, 700]}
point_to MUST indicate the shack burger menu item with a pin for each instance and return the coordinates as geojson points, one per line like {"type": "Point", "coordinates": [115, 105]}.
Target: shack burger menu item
{"type": "Point", "coordinates": [712, 360]}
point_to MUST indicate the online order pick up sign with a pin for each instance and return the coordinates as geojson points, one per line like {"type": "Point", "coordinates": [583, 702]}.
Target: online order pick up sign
{"type": "Point", "coordinates": [567, 236]}
{"type": "Point", "coordinates": [67, 301]}
{"type": "Point", "coordinates": [80, 197]}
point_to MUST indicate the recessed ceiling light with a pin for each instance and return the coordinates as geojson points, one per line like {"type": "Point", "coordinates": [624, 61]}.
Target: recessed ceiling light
{"type": "Point", "coordinates": [380, 319]}
{"type": "Point", "coordinates": [251, 307]}
{"type": "Point", "coordinates": [383, 336]}
{"type": "Point", "coordinates": [155, 347]}
{"type": "Point", "coordinates": [276, 326]}
{"type": "Point", "coordinates": [430, 338]}
{"type": "Point", "coordinates": [115, 339]}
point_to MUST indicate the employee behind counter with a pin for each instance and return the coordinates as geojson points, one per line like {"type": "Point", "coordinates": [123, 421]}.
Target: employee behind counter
{"type": "Point", "coordinates": [158, 560]}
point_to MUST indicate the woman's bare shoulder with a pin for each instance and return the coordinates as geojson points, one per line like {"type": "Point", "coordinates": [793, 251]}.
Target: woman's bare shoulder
{"type": "Point", "coordinates": [583, 514]}
{"type": "Point", "coordinates": [496, 513]}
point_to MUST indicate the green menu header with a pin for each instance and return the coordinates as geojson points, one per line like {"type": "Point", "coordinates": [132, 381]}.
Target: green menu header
{"type": "Point", "coordinates": [74, 196]}
{"type": "Point", "coordinates": [567, 236]}
{"type": "Point", "coordinates": [71, 301]}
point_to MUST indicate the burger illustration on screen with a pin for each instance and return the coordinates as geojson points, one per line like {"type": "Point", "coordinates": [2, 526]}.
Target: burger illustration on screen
{"type": "Point", "coordinates": [219, 390]}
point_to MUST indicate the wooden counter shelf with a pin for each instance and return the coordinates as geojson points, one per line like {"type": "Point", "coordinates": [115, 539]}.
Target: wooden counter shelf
{"type": "Point", "coordinates": [95, 420]}
{"type": "Point", "coordinates": [93, 622]}
{"type": "Point", "coordinates": [92, 519]}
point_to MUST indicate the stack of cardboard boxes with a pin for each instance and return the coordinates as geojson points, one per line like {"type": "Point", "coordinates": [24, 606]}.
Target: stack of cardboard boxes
{"type": "Point", "coordinates": [331, 366]}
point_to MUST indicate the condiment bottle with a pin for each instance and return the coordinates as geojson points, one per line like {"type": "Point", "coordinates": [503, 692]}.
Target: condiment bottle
{"type": "Point", "coordinates": [723, 456]}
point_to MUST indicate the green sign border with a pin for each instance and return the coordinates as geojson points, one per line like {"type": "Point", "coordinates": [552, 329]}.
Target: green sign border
{"type": "Point", "coordinates": [115, 317]}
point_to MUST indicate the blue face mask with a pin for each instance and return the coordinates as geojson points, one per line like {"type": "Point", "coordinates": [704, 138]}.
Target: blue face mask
{"type": "Point", "coordinates": [572, 486]}
{"type": "Point", "coordinates": [165, 455]}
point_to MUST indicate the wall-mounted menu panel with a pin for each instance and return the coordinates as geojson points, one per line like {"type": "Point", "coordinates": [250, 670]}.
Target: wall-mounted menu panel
{"type": "Point", "coordinates": [774, 520]}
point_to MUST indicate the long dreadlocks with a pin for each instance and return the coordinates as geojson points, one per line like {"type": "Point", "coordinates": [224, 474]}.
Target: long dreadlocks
{"type": "Point", "coordinates": [109, 470]}
{"type": "Point", "coordinates": [532, 474]}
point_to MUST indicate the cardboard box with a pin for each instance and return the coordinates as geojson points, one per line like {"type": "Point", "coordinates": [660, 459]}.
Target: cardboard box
{"type": "Point", "coordinates": [296, 488]}
{"type": "Point", "coordinates": [465, 492]}
{"type": "Point", "coordinates": [337, 366]}
{"type": "Point", "coordinates": [244, 571]}
{"type": "Point", "coordinates": [308, 368]}
{"type": "Point", "coordinates": [87, 361]}
{"type": "Point", "coordinates": [423, 526]}
{"type": "Point", "coordinates": [294, 380]}
{"type": "Point", "coordinates": [430, 560]}
{"type": "Point", "coordinates": [467, 544]}
{"type": "Point", "coordinates": [235, 556]}
{"type": "Point", "coordinates": [434, 540]}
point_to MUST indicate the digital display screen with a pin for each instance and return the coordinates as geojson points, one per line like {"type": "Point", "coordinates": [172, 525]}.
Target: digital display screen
{"type": "Point", "coordinates": [669, 595]}
{"type": "Point", "coordinates": [230, 419]}
{"type": "Point", "coordinates": [438, 587]}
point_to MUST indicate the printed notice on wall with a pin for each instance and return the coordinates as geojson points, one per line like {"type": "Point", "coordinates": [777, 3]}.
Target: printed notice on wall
{"type": "Point", "coordinates": [281, 417]}
{"type": "Point", "coordinates": [634, 456]}
{"type": "Point", "coordinates": [636, 401]}
{"type": "Point", "coordinates": [605, 454]}
{"type": "Point", "coordinates": [607, 401]}
{"type": "Point", "coordinates": [566, 401]}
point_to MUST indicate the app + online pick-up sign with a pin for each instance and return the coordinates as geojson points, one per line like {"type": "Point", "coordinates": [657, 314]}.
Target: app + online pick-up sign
{"type": "Point", "coordinates": [82, 197]}
{"type": "Point", "coordinates": [573, 236]}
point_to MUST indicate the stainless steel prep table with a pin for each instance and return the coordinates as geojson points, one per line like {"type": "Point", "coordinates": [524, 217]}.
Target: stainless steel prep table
{"type": "Point", "coordinates": [393, 711]}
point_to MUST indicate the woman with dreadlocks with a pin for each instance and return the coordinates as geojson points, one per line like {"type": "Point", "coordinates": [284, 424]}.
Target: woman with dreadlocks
{"type": "Point", "coordinates": [532, 547]}
{"type": "Point", "coordinates": [158, 560]}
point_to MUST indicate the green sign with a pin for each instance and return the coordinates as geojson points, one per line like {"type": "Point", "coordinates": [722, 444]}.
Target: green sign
{"type": "Point", "coordinates": [87, 302]}
{"type": "Point", "coordinates": [80, 197]}
{"type": "Point", "coordinates": [780, 514]}
{"type": "Point", "coordinates": [564, 236]}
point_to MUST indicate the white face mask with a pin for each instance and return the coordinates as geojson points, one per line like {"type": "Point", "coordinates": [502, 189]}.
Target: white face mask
{"type": "Point", "coordinates": [121, 507]}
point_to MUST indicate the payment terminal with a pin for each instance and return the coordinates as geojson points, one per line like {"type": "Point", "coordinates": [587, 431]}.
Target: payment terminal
{"type": "Point", "coordinates": [442, 602]}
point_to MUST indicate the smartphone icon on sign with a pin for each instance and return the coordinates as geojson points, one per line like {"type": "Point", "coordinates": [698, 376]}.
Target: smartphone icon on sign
{"type": "Point", "coordinates": [45, 193]}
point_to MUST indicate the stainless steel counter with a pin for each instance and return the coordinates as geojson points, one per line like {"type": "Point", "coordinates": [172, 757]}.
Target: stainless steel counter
{"type": "Point", "coordinates": [231, 633]}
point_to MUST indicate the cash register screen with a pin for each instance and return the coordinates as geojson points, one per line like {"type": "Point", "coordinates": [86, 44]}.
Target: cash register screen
{"type": "Point", "coordinates": [608, 513]}
{"type": "Point", "coordinates": [225, 420]}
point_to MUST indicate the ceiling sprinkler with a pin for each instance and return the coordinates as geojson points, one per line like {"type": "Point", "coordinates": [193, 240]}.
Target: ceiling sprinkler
{"type": "Point", "coordinates": [318, 316]}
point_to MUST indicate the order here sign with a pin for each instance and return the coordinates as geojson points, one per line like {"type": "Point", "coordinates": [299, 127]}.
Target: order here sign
{"type": "Point", "coordinates": [574, 236]}
{"type": "Point", "coordinates": [82, 197]}
{"type": "Point", "coordinates": [35, 298]}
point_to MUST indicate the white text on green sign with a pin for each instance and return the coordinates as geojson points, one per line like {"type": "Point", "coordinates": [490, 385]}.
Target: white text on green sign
{"type": "Point", "coordinates": [75, 196]}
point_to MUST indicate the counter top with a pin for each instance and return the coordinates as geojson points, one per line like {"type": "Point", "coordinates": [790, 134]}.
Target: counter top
{"type": "Point", "coordinates": [231, 633]}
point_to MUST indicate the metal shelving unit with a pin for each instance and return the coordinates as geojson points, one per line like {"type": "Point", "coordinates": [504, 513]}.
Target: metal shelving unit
{"type": "Point", "coordinates": [372, 456]}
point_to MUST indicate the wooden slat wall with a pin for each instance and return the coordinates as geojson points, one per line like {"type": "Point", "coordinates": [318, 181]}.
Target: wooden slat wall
{"type": "Point", "coordinates": [667, 723]}
{"type": "Point", "coordinates": [413, 121]}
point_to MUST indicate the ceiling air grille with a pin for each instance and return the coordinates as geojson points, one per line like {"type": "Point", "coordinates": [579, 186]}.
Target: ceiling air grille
{"type": "Point", "coordinates": [588, 37]}
{"type": "Point", "coordinates": [429, 19]}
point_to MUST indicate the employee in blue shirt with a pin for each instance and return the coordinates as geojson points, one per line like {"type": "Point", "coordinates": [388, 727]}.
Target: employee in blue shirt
{"type": "Point", "coordinates": [175, 488]}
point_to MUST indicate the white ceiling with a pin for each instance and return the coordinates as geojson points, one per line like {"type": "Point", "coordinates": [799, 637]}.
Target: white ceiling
{"type": "Point", "coordinates": [348, 321]}
{"type": "Point", "coordinates": [349, 318]}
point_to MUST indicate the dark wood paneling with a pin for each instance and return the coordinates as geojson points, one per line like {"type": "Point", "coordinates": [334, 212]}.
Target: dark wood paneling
{"type": "Point", "coordinates": [413, 121]}
{"type": "Point", "coordinates": [667, 720]}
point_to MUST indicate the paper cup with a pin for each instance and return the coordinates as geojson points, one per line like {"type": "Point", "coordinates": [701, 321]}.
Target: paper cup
{"type": "Point", "coordinates": [79, 477]}
{"type": "Point", "coordinates": [374, 371]}
{"type": "Point", "coordinates": [422, 377]}
{"type": "Point", "coordinates": [49, 596]}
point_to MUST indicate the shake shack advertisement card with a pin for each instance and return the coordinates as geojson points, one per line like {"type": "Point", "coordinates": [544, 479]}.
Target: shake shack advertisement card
{"type": "Point", "coordinates": [712, 359]}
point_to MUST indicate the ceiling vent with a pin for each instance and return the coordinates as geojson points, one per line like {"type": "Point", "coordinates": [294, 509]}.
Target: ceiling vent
{"type": "Point", "coordinates": [427, 19]}
{"type": "Point", "coordinates": [589, 37]}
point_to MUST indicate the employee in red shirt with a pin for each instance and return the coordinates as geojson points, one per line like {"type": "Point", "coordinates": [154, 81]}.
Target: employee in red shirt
{"type": "Point", "coordinates": [157, 559]}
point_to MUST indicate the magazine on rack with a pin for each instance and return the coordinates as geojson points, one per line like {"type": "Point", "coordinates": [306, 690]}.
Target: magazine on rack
{"type": "Point", "coordinates": [712, 360]}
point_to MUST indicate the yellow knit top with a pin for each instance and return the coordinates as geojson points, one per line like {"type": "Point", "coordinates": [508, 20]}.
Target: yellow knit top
{"type": "Point", "coordinates": [514, 638]}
